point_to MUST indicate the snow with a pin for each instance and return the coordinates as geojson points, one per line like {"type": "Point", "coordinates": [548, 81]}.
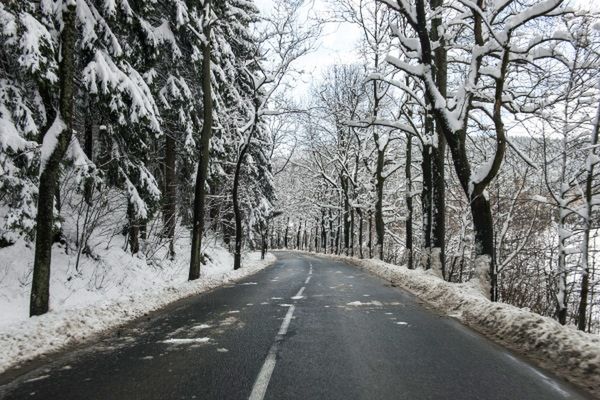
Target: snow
{"type": "Point", "coordinates": [368, 303]}
{"type": "Point", "coordinates": [564, 350]}
{"type": "Point", "coordinates": [101, 295]}
{"type": "Point", "coordinates": [51, 140]}
{"type": "Point", "coordinates": [187, 340]}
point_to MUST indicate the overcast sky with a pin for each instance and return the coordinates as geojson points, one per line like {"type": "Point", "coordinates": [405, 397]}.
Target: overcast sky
{"type": "Point", "coordinates": [337, 45]}
{"type": "Point", "coordinates": [339, 42]}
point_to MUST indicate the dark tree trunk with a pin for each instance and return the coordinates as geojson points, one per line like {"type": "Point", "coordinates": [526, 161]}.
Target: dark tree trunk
{"type": "Point", "coordinates": [338, 235]}
{"type": "Point", "coordinates": [133, 230]}
{"type": "Point", "coordinates": [484, 233]}
{"type": "Point", "coordinates": [317, 236]}
{"type": "Point", "coordinates": [237, 212]}
{"type": "Point", "coordinates": [323, 232]}
{"type": "Point", "coordinates": [331, 233]}
{"type": "Point", "coordinates": [346, 214]}
{"type": "Point", "coordinates": [199, 195]}
{"type": "Point", "coordinates": [438, 215]}
{"type": "Point", "coordinates": [305, 237]}
{"type": "Point", "coordinates": [264, 236]}
{"type": "Point", "coordinates": [379, 183]}
{"type": "Point", "coordinates": [352, 232]}
{"type": "Point", "coordinates": [298, 233]}
{"type": "Point", "coordinates": [426, 199]}
{"type": "Point", "coordinates": [360, 232]}
{"type": "Point", "coordinates": [170, 198]}
{"type": "Point", "coordinates": [409, 203]}
{"type": "Point", "coordinates": [287, 230]}
{"type": "Point", "coordinates": [40, 286]}
{"type": "Point", "coordinates": [88, 148]}
{"type": "Point", "coordinates": [370, 234]}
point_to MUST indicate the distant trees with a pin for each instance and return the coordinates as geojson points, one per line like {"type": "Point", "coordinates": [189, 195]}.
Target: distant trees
{"type": "Point", "coordinates": [490, 111]}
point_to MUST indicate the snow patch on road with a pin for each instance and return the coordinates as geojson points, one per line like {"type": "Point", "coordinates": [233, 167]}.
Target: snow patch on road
{"type": "Point", "coordinates": [187, 340]}
{"type": "Point", "coordinates": [368, 303]}
{"type": "Point", "coordinates": [201, 326]}
{"type": "Point", "coordinates": [39, 378]}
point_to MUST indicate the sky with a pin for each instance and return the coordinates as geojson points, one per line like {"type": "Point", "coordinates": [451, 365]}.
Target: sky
{"type": "Point", "coordinates": [337, 45]}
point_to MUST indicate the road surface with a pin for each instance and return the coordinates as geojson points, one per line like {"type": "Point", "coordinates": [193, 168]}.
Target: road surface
{"type": "Point", "coordinates": [305, 328]}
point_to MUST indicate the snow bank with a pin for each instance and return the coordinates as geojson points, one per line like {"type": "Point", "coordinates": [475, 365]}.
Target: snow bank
{"type": "Point", "coordinates": [103, 294]}
{"type": "Point", "coordinates": [569, 353]}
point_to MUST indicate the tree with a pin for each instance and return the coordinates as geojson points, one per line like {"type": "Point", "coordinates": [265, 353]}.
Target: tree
{"type": "Point", "coordinates": [486, 75]}
{"type": "Point", "coordinates": [200, 196]}
{"type": "Point", "coordinates": [54, 147]}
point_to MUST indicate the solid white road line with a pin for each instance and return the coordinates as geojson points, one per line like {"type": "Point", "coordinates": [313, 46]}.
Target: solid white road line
{"type": "Point", "coordinates": [264, 376]}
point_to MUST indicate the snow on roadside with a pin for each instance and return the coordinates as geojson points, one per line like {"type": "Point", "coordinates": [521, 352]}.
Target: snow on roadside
{"type": "Point", "coordinates": [569, 353]}
{"type": "Point", "coordinates": [137, 290]}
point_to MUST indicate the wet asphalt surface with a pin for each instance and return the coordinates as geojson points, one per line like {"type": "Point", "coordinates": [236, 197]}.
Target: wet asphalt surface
{"type": "Point", "coordinates": [351, 336]}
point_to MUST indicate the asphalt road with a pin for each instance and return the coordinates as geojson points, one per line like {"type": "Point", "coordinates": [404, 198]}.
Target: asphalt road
{"type": "Point", "coordinates": [305, 328]}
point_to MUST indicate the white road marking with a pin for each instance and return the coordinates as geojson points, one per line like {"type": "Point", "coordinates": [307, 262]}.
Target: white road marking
{"type": "Point", "coordinates": [307, 280]}
{"type": "Point", "coordinates": [298, 295]}
{"type": "Point", "coordinates": [286, 321]}
{"type": "Point", "coordinates": [264, 376]}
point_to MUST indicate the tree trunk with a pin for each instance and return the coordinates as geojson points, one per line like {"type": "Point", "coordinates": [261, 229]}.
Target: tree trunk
{"type": "Point", "coordinates": [237, 255]}
{"type": "Point", "coordinates": [426, 199]}
{"type": "Point", "coordinates": [88, 189]}
{"type": "Point", "coordinates": [379, 183]}
{"type": "Point", "coordinates": [360, 233]}
{"type": "Point", "coordinates": [40, 286]}
{"type": "Point", "coordinates": [170, 198]}
{"type": "Point", "coordinates": [346, 214]}
{"type": "Point", "coordinates": [199, 194]}
{"type": "Point", "coordinates": [351, 232]}
{"type": "Point", "coordinates": [409, 203]}
{"type": "Point", "coordinates": [438, 214]}
{"type": "Point", "coordinates": [370, 244]}
{"type": "Point", "coordinates": [585, 247]}
{"type": "Point", "coordinates": [133, 230]}
{"type": "Point", "coordinates": [331, 233]}
{"type": "Point", "coordinates": [484, 237]}
{"type": "Point", "coordinates": [298, 233]}
{"type": "Point", "coordinates": [323, 233]}
{"type": "Point", "coordinates": [287, 231]}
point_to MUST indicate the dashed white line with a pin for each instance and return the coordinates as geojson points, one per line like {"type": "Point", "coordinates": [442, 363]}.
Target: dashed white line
{"type": "Point", "coordinates": [298, 295]}
{"type": "Point", "coordinates": [286, 321]}
{"type": "Point", "coordinates": [264, 376]}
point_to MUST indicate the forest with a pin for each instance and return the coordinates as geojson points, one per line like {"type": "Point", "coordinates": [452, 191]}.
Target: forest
{"type": "Point", "coordinates": [462, 140]}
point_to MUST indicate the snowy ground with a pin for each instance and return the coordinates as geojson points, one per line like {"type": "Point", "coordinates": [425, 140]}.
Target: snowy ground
{"type": "Point", "coordinates": [104, 292]}
{"type": "Point", "coordinates": [564, 350]}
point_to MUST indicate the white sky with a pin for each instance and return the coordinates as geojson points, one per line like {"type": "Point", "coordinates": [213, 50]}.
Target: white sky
{"type": "Point", "coordinates": [337, 45]}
